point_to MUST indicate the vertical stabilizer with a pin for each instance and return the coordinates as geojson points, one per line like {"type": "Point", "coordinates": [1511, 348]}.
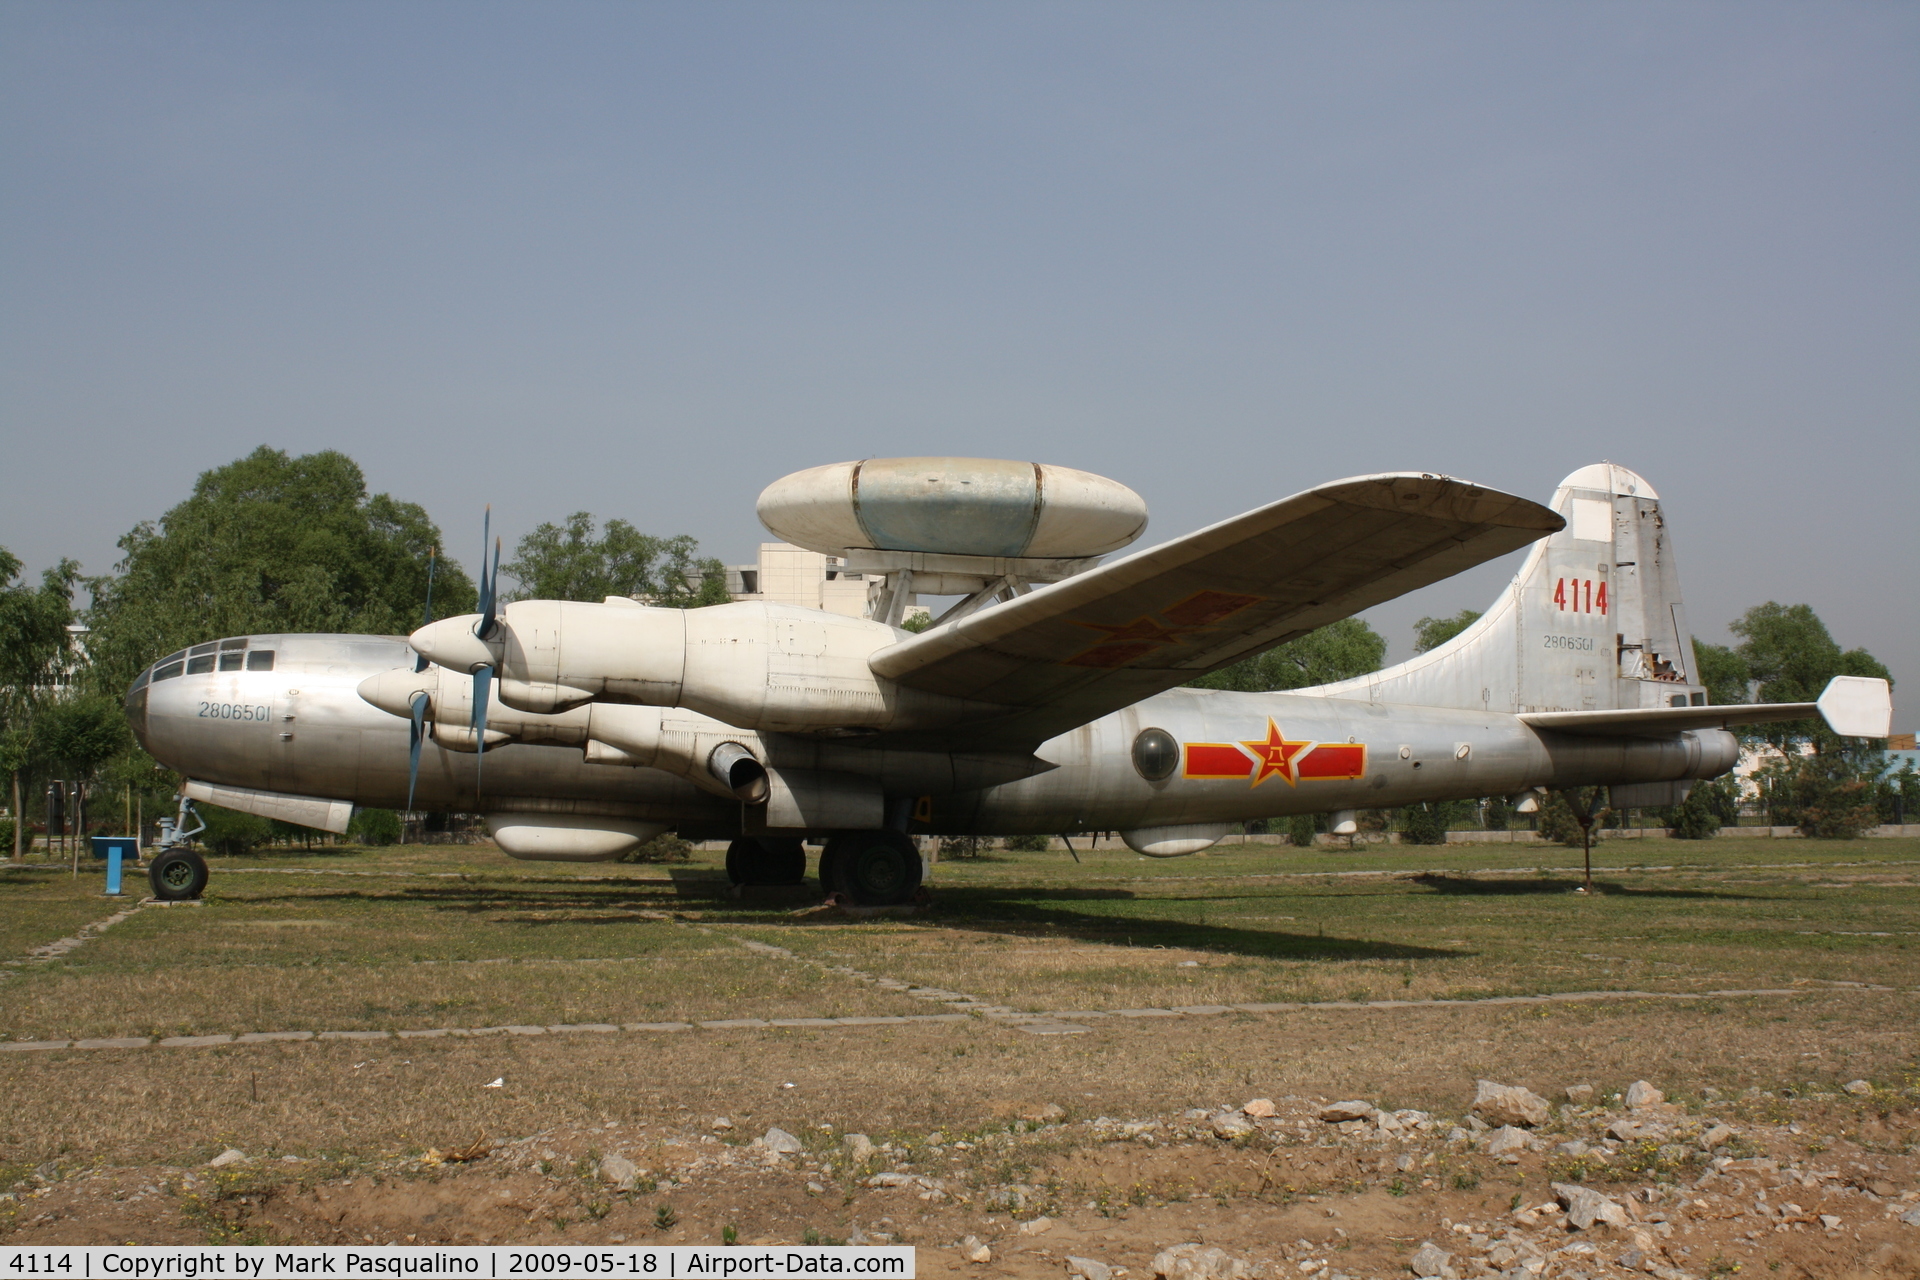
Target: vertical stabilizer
{"type": "Point", "coordinates": [1593, 621]}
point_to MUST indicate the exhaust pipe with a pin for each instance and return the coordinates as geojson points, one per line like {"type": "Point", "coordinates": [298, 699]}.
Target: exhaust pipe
{"type": "Point", "coordinates": [739, 772]}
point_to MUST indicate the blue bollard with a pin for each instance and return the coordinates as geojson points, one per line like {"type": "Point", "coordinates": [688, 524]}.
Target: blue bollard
{"type": "Point", "coordinates": [113, 849]}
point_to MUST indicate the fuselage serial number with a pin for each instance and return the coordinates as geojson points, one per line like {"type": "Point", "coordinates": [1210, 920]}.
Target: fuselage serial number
{"type": "Point", "coordinates": [233, 711]}
{"type": "Point", "coordinates": [1567, 642]}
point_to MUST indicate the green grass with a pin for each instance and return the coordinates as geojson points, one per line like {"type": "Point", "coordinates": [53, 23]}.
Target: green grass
{"type": "Point", "coordinates": [460, 936]}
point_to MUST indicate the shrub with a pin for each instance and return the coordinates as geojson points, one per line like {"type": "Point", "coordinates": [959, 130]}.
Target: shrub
{"type": "Point", "coordinates": [6, 837]}
{"type": "Point", "coordinates": [1499, 813]}
{"type": "Point", "coordinates": [375, 826]}
{"type": "Point", "coordinates": [1301, 828]}
{"type": "Point", "coordinates": [1694, 819]}
{"type": "Point", "coordinates": [960, 848]}
{"type": "Point", "coordinates": [1423, 824]}
{"type": "Point", "coordinates": [1558, 823]}
{"type": "Point", "coordinates": [665, 847]}
{"type": "Point", "coordinates": [230, 834]}
{"type": "Point", "coordinates": [1028, 844]}
{"type": "Point", "coordinates": [1826, 795]}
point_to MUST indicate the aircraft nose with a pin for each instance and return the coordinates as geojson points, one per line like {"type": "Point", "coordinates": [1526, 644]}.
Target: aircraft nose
{"type": "Point", "coordinates": [451, 643]}
{"type": "Point", "coordinates": [393, 691]}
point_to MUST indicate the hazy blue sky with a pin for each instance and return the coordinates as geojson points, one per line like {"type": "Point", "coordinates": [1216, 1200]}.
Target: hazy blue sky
{"type": "Point", "coordinates": [642, 259]}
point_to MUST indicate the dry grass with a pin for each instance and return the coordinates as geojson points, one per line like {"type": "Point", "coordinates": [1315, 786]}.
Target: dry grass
{"type": "Point", "coordinates": [348, 1100]}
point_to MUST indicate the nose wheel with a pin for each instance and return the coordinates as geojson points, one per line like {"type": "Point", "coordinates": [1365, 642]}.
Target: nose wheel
{"type": "Point", "coordinates": [178, 875]}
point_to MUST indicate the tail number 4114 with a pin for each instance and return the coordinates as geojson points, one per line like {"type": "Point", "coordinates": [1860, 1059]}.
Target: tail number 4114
{"type": "Point", "coordinates": [1580, 595]}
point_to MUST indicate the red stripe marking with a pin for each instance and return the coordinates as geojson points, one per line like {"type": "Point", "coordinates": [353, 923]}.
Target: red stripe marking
{"type": "Point", "coordinates": [1217, 760]}
{"type": "Point", "coordinates": [1334, 760]}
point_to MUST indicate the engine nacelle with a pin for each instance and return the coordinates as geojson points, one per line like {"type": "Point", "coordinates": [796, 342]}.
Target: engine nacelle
{"type": "Point", "coordinates": [755, 665]}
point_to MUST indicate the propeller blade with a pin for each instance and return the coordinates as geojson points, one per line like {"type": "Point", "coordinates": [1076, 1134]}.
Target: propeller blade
{"type": "Point", "coordinates": [482, 681]}
{"type": "Point", "coordinates": [433, 557]}
{"type": "Point", "coordinates": [485, 629]}
{"type": "Point", "coordinates": [415, 738]}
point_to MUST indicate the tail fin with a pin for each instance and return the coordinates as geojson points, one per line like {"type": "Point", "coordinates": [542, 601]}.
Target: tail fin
{"type": "Point", "coordinates": [1592, 622]}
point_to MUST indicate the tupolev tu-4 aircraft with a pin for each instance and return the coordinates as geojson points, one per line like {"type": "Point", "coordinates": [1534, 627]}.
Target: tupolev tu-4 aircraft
{"type": "Point", "coordinates": [1049, 700]}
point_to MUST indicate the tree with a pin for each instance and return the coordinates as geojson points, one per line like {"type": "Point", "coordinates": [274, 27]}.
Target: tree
{"type": "Point", "coordinates": [569, 562]}
{"type": "Point", "coordinates": [33, 652]}
{"type": "Point", "coordinates": [269, 543]}
{"type": "Point", "coordinates": [1338, 651]}
{"type": "Point", "coordinates": [1723, 671]}
{"type": "Point", "coordinates": [1788, 651]}
{"type": "Point", "coordinates": [1431, 633]}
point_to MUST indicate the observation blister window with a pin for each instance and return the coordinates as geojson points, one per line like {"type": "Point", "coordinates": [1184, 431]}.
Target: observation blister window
{"type": "Point", "coordinates": [260, 660]}
{"type": "Point", "coordinates": [1155, 754]}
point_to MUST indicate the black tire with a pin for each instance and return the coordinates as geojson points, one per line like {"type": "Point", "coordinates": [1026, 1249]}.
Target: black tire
{"type": "Point", "coordinates": [786, 860]}
{"type": "Point", "coordinates": [766, 860]}
{"type": "Point", "coordinates": [178, 875]}
{"type": "Point", "coordinates": [830, 859]}
{"type": "Point", "coordinates": [746, 862]}
{"type": "Point", "coordinates": [874, 868]}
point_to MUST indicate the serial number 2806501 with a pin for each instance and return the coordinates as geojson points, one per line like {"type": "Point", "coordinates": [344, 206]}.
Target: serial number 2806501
{"type": "Point", "coordinates": [234, 711]}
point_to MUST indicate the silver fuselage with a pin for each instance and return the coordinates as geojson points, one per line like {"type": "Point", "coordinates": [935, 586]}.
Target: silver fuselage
{"type": "Point", "coordinates": [301, 728]}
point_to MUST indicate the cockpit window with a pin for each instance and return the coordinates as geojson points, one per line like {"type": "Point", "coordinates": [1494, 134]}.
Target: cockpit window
{"type": "Point", "coordinates": [230, 659]}
{"type": "Point", "coordinates": [200, 664]}
{"type": "Point", "coordinates": [140, 681]}
{"type": "Point", "coordinates": [260, 660]}
{"type": "Point", "coordinates": [168, 669]}
{"type": "Point", "coordinates": [238, 642]}
{"type": "Point", "coordinates": [199, 649]}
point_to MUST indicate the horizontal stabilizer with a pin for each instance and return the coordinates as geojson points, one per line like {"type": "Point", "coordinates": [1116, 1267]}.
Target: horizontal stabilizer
{"type": "Point", "coordinates": [1073, 651]}
{"type": "Point", "coordinates": [1853, 706]}
{"type": "Point", "coordinates": [301, 811]}
{"type": "Point", "coordinates": [1858, 706]}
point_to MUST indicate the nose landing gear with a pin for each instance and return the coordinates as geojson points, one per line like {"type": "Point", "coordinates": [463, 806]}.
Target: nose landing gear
{"type": "Point", "coordinates": [177, 873]}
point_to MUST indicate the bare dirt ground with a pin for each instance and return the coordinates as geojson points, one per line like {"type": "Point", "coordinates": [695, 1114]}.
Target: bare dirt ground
{"type": "Point", "coordinates": [1108, 1146]}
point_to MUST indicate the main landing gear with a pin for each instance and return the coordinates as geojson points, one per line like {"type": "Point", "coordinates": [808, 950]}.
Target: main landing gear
{"type": "Point", "coordinates": [874, 868]}
{"type": "Point", "coordinates": [766, 860]}
{"type": "Point", "coordinates": [870, 868]}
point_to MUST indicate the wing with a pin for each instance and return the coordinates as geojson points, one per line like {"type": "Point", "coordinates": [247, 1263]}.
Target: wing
{"type": "Point", "coordinates": [1073, 651]}
{"type": "Point", "coordinates": [1854, 706]}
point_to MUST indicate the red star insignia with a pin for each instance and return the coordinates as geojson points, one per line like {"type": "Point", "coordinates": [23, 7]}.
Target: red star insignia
{"type": "Point", "coordinates": [1275, 755]}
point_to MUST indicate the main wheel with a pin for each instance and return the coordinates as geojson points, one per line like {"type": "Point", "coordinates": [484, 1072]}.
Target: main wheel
{"type": "Point", "coordinates": [874, 868]}
{"type": "Point", "coordinates": [767, 860]}
{"type": "Point", "coordinates": [786, 859]}
{"type": "Point", "coordinates": [746, 862]}
{"type": "Point", "coordinates": [178, 875]}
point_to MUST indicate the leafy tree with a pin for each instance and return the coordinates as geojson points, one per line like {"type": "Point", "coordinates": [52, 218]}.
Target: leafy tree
{"type": "Point", "coordinates": [1423, 824]}
{"type": "Point", "coordinates": [1710, 805]}
{"type": "Point", "coordinates": [1338, 651]}
{"type": "Point", "coordinates": [571, 562]}
{"type": "Point", "coordinates": [1723, 671]}
{"type": "Point", "coordinates": [1557, 820]}
{"type": "Point", "coordinates": [231, 833]}
{"type": "Point", "coordinates": [1301, 829]}
{"type": "Point", "coordinates": [375, 827]}
{"type": "Point", "coordinates": [266, 544]}
{"type": "Point", "coordinates": [1431, 633]}
{"type": "Point", "coordinates": [1499, 813]}
{"type": "Point", "coordinates": [33, 651]}
{"type": "Point", "coordinates": [1790, 653]}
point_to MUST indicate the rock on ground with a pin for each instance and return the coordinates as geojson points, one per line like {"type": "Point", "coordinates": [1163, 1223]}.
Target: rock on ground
{"type": "Point", "coordinates": [1340, 1112]}
{"type": "Point", "coordinates": [782, 1143]}
{"type": "Point", "coordinates": [1197, 1262]}
{"type": "Point", "coordinates": [1579, 1094]}
{"type": "Point", "coordinates": [232, 1155]}
{"type": "Point", "coordinates": [1641, 1094]}
{"type": "Point", "coordinates": [1088, 1268]}
{"type": "Point", "coordinates": [620, 1171]}
{"type": "Point", "coordinates": [1505, 1139]}
{"type": "Point", "coordinates": [859, 1146]}
{"type": "Point", "coordinates": [1586, 1206]}
{"type": "Point", "coordinates": [1230, 1124]}
{"type": "Point", "coordinates": [973, 1249]}
{"type": "Point", "coordinates": [1503, 1104]}
{"type": "Point", "coordinates": [1259, 1108]}
{"type": "Point", "coordinates": [1431, 1260]}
